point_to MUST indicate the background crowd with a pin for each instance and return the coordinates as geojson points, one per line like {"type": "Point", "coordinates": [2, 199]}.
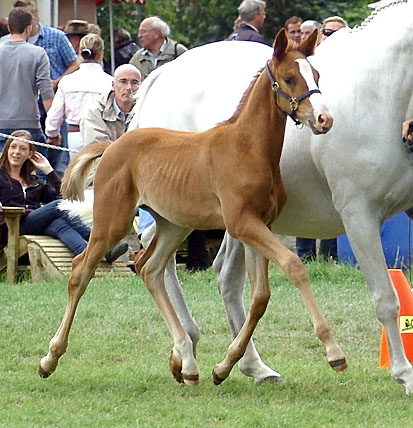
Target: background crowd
{"type": "Point", "coordinates": [65, 95]}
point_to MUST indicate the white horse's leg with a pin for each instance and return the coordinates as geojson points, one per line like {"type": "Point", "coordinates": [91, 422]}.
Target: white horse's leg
{"type": "Point", "coordinates": [174, 290]}
{"type": "Point", "coordinates": [152, 266]}
{"type": "Point", "coordinates": [229, 266]}
{"type": "Point", "coordinates": [364, 237]}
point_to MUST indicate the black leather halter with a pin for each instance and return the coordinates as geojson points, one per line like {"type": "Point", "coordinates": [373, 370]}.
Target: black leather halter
{"type": "Point", "coordinates": [293, 101]}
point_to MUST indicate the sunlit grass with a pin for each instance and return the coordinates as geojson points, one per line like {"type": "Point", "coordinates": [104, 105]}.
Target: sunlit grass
{"type": "Point", "coordinates": [115, 371]}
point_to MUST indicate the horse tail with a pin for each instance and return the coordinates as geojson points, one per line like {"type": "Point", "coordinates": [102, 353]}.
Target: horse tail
{"type": "Point", "coordinates": [79, 170]}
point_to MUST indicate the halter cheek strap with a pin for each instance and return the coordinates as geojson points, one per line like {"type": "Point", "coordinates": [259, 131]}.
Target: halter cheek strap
{"type": "Point", "coordinates": [293, 101]}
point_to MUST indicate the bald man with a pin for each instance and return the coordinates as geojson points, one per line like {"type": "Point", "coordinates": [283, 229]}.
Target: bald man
{"type": "Point", "coordinates": [108, 118]}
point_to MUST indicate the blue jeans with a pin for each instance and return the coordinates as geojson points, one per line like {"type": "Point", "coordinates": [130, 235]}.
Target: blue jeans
{"type": "Point", "coordinates": [306, 248]}
{"type": "Point", "coordinates": [59, 160]}
{"type": "Point", "coordinates": [49, 220]}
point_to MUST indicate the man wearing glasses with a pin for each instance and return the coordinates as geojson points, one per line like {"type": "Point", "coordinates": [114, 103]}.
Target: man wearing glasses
{"type": "Point", "coordinates": [108, 118]}
{"type": "Point", "coordinates": [157, 49]}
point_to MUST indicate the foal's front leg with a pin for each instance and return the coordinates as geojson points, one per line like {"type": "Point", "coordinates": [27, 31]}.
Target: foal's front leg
{"type": "Point", "coordinates": [229, 266]}
{"type": "Point", "coordinates": [258, 271]}
{"type": "Point", "coordinates": [151, 266]}
{"type": "Point", "coordinates": [84, 266]}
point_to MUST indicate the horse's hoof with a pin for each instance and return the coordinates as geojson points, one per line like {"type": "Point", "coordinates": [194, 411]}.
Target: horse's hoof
{"type": "Point", "coordinates": [191, 380]}
{"type": "Point", "coordinates": [216, 379]}
{"type": "Point", "coordinates": [339, 365]}
{"type": "Point", "coordinates": [176, 368]}
{"type": "Point", "coordinates": [270, 379]}
{"type": "Point", "coordinates": [43, 373]}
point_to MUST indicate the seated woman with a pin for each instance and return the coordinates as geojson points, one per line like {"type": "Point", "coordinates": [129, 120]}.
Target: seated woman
{"type": "Point", "coordinates": [19, 187]}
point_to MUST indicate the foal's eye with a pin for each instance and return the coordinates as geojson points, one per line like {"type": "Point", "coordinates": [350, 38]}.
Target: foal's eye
{"type": "Point", "coordinates": [288, 80]}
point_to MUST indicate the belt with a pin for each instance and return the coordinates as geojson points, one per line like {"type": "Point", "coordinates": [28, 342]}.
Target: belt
{"type": "Point", "coordinates": [73, 128]}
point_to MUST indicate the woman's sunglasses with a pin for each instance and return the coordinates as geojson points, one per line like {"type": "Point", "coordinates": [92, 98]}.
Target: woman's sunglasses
{"type": "Point", "coordinates": [328, 32]}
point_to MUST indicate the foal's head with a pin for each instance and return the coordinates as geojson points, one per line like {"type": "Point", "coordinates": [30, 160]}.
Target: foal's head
{"type": "Point", "coordinates": [295, 83]}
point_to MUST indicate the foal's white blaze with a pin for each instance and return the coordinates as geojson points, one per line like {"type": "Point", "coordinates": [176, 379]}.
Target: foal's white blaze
{"type": "Point", "coordinates": [316, 99]}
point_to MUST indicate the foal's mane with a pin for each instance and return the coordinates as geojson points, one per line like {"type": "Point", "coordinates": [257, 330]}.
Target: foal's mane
{"type": "Point", "coordinates": [238, 110]}
{"type": "Point", "coordinates": [376, 12]}
{"type": "Point", "coordinates": [290, 47]}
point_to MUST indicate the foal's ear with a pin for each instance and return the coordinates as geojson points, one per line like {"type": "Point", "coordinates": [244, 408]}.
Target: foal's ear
{"type": "Point", "coordinates": [280, 45]}
{"type": "Point", "coordinates": [307, 46]}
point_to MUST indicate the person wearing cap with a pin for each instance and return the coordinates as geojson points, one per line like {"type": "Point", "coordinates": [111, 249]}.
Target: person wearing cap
{"type": "Point", "coordinates": [75, 30]}
{"type": "Point", "coordinates": [76, 90]}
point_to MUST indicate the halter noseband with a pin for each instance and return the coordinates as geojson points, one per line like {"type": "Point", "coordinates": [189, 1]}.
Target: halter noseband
{"type": "Point", "coordinates": [293, 101]}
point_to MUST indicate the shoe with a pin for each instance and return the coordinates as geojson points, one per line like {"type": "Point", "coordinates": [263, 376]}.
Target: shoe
{"type": "Point", "coordinates": [114, 254]}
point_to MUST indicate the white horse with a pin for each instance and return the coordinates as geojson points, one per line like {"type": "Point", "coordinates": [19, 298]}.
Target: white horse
{"type": "Point", "coordinates": [348, 181]}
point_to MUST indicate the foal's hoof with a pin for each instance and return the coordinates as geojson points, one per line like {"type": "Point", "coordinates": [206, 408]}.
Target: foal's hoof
{"type": "Point", "coordinates": [176, 368]}
{"type": "Point", "coordinates": [216, 379]}
{"type": "Point", "coordinates": [339, 365]}
{"type": "Point", "coordinates": [43, 373]}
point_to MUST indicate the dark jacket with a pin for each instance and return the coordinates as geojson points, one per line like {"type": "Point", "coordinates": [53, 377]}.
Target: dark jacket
{"type": "Point", "coordinates": [246, 32]}
{"type": "Point", "coordinates": [37, 193]}
{"type": "Point", "coordinates": [125, 52]}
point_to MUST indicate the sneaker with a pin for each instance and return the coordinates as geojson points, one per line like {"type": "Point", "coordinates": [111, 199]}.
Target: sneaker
{"type": "Point", "coordinates": [120, 249]}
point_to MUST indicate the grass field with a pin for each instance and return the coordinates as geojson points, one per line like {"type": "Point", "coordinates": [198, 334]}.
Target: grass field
{"type": "Point", "coordinates": [115, 372]}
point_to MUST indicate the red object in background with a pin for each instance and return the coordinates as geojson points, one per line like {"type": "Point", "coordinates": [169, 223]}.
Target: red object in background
{"type": "Point", "coordinates": [120, 1]}
{"type": "Point", "coordinates": [405, 318]}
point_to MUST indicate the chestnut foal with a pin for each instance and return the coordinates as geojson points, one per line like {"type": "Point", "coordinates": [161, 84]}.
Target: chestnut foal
{"type": "Point", "coordinates": [225, 178]}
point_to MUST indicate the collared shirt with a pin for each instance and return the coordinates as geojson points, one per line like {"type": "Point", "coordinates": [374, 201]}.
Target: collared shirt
{"type": "Point", "coordinates": [58, 48]}
{"type": "Point", "coordinates": [154, 58]}
{"type": "Point", "coordinates": [74, 92]}
{"type": "Point", "coordinates": [125, 118]}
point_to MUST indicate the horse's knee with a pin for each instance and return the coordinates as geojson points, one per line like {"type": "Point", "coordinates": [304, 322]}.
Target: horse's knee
{"type": "Point", "coordinates": [259, 304]}
{"type": "Point", "coordinates": [294, 268]}
{"type": "Point", "coordinates": [386, 306]}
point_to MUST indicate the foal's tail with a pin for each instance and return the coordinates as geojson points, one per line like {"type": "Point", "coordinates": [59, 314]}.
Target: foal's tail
{"type": "Point", "coordinates": [79, 170]}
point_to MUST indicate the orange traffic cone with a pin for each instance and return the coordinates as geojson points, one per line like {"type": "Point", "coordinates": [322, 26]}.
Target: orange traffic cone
{"type": "Point", "coordinates": [405, 318]}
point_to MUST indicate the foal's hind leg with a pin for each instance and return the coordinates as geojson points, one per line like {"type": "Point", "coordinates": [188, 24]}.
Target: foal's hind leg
{"type": "Point", "coordinates": [151, 266]}
{"type": "Point", "coordinates": [174, 290]}
{"type": "Point", "coordinates": [84, 266]}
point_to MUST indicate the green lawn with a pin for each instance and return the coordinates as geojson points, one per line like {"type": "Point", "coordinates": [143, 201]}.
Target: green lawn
{"type": "Point", "coordinates": [115, 372]}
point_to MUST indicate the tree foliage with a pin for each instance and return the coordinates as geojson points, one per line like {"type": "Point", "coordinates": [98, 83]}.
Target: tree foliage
{"type": "Point", "coordinates": [196, 22]}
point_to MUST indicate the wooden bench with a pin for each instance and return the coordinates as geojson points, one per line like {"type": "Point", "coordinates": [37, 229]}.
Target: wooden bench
{"type": "Point", "coordinates": [48, 256]}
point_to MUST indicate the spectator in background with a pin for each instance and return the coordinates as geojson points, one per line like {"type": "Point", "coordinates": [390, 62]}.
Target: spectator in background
{"type": "Point", "coordinates": [4, 29]}
{"type": "Point", "coordinates": [249, 22]}
{"type": "Point", "coordinates": [125, 47]}
{"type": "Point", "coordinates": [108, 117]}
{"type": "Point", "coordinates": [306, 247]}
{"type": "Point", "coordinates": [307, 27]}
{"type": "Point", "coordinates": [292, 27]}
{"type": "Point", "coordinates": [157, 49]}
{"type": "Point", "coordinates": [330, 26]}
{"type": "Point", "coordinates": [63, 61]}
{"type": "Point", "coordinates": [24, 74]}
{"type": "Point", "coordinates": [75, 29]}
{"type": "Point", "coordinates": [76, 90]}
